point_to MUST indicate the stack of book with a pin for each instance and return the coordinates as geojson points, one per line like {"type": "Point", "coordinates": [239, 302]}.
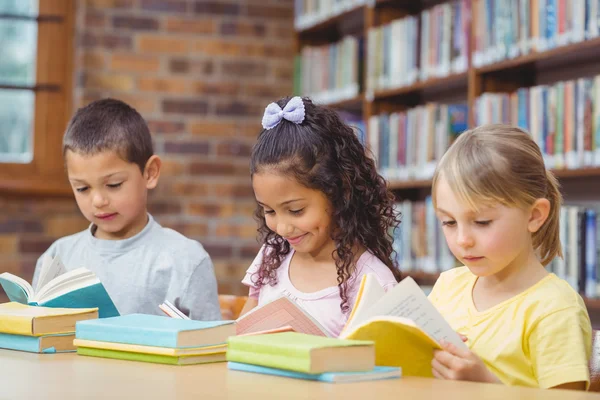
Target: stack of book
{"type": "Point", "coordinates": [155, 339]}
{"type": "Point", "coordinates": [40, 329]}
{"type": "Point", "coordinates": [310, 357]}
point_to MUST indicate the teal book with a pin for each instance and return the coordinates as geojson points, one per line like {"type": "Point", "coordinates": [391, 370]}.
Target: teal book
{"type": "Point", "coordinates": [155, 330]}
{"type": "Point", "coordinates": [376, 373]}
{"type": "Point", "coordinates": [56, 287]}
{"type": "Point", "coordinates": [38, 344]}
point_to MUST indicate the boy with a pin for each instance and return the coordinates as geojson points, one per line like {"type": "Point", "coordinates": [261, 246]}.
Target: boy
{"type": "Point", "coordinates": [111, 166]}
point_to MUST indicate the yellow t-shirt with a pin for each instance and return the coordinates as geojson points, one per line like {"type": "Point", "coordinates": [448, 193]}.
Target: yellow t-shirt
{"type": "Point", "coordinates": [539, 338]}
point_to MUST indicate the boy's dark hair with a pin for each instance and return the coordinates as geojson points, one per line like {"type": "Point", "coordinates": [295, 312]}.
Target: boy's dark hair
{"type": "Point", "coordinates": [109, 124]}
{"type": "Point", "coordinates": [324, 153]}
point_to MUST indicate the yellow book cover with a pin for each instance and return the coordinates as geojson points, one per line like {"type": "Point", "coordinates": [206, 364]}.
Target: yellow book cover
{"type": "Point", "coordinates": [404, 325]}
{"type": "Point", "coordinates": [164, 351]}
{"type": "Point", "coordinates": [20, 319]}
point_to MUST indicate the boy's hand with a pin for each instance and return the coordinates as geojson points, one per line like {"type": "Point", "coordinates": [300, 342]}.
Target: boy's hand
{"type": "Point", "coordinates": [458, 364]}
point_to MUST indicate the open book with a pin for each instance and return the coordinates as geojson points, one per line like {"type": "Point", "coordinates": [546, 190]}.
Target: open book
{"type": "Point", "coordinates": [404, 324]}
{"type": "Point", "coordinates": [56, 287]}
{"type": "Point", "coordinates": [279, 314]}
{"type": "Point", "coordinates": [169, 308]}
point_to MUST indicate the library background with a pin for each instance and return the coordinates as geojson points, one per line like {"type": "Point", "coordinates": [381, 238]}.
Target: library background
{"type": "Point", "coordinates": [411, 75]}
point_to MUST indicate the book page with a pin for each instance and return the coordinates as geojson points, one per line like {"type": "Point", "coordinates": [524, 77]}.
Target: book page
{"type": "Point", "coordinates": [51, 268]}
{"type": "Point", "coordinates": [371, 292]}
{"type": "Point", "coordinates": [279, 313]}
{"type": "Point", "coordinates": [407, 300]}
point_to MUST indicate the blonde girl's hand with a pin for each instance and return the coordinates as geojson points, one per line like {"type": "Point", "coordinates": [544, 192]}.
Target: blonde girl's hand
{"type": "Point", "coordinates": [460, 364]}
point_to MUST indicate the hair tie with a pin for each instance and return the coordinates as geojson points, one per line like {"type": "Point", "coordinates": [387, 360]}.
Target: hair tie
{"type": "Point", "coordinates": [293, 112]}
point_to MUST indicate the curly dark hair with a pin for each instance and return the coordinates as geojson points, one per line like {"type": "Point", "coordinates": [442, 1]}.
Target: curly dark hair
{"type": "Point", "coordinates": [323, 153]}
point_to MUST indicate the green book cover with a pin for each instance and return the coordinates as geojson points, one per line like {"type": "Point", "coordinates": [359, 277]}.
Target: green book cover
{"type": "Point", "coordinates": [289, 350]}
{"type": "Point", "coordinates": [298, 75]}
{"type": "Point", "coordinates": [130, 356]}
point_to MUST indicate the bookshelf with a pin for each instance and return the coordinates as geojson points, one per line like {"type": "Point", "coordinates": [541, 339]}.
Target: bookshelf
{"type": "Point", "coordinates": [565, 51]}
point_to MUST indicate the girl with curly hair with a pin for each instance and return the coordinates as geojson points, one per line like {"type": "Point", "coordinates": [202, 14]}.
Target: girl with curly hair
{"type": "Point", "coordinates": [324, 213]}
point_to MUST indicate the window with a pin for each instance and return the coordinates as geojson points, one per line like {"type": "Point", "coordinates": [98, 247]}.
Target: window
{"type": "Point", "coordinates": [35, 93]}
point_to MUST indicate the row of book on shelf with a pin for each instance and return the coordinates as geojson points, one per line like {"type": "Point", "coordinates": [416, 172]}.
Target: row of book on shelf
{"type": "Point", "coordinates": [563, 119]}
{"type": "Point", "coordinates": [433, 44]}
{"type": "Point", "coordinates": [329, 73]}
{"type": "Point", "coordinates": [420, 245]}
{"type": "Point", "coordinates": [311, 12]}
{"type": "Point", "coordinates": [397, 55]}
{"type": "Point", "coordinates": [513, 28]}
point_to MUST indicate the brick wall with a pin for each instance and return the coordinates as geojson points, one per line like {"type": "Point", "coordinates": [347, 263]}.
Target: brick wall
{"type": "Point", "coordinates": [201, 73]}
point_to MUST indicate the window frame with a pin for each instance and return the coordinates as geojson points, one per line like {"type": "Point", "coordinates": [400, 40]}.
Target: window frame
{"type": "Point", "coordinates": [45, 174]}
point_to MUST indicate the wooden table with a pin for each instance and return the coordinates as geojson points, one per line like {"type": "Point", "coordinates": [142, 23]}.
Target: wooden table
{"type": "Point", "coordinates": [69, 376]}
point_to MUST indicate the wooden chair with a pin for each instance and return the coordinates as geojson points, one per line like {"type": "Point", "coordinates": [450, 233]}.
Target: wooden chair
{"type": "Point", "coordinates": [595, 363]}
{"type": "Point", "coordinates": [231, 305]}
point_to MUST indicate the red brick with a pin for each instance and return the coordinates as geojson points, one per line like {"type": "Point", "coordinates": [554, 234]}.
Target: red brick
{"type": "Point", "coordinates": [187, 147]}
{"type": "Point", "coordinates": [193, 107]}
{"type": "Point", "coordinates": [240, 68]}
{"type": "Point", "coordinates": [143, 104]}
{"type": "Point", "coordinates": [189, 188]}
{"type": "Point", "coordinates": [34, 245]}
{"type": "Point", "coordinates": [235, 190]}
{"type": "Point", "coordinates": [134, 63]}
{"type": "Point", "coordinates": [106, 41]}
{"type": "Point", "coordinates": [164, 85]}
{"type": "Point", "coordinates": [20, 225]}
{"type": "Point", "coordinates": [173, 168]}
{"type": "Point", "coordinates": [177, 6]}
{"type": "Point", "coordinates": [216, 8]}
{"type": "Point", "coordinates": [135, 23]}
{"type": "Point", "coordinates": [8, 245]}
{"type": "Point", "coordinates": [92, 60]}
{"type": "Point", "coordinates": [221, 250]}
{"type": "Point", "coordinates": [272, 12]}
{"type": "Point", "coordinates": [243, 28]}
{"type": "Point", "coordinates": [217, 88]}
{"type": "Point", "coordinates": [64, 225]}
{"type": "Point", "coordinates": [190, 25]}
{"type": "Point", "coordinates": [165, 127]}
{"type": "Point", "coordinates": [95, 19]}
{"type": "Point", "coordinates": [239, 109]}
{"type": "Point", "coordinates": [164, 208]}
{"type": "Point", "coordinates": [153, 43]}
{"type": "Point", "coordinates": [208, 168]}
{"type": "Point", "coordinates": [266, 90]}
{"type": "Point", "coordinates": [234, 148]}
{"type": "Point", "coordinates": [99, 80]}
{"type": "Point", "coordinates": [249, 251]}
{"type": "Point", "coordinates": [192, 67]}
{"type": "Point", "coordinates": [238, 231]}
{"type": "Point", "coordinates": [109, 3]}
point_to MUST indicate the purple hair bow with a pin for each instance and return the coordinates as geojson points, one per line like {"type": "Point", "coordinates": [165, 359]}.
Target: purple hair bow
{"type": "Point", "coordinates": [293, 112]}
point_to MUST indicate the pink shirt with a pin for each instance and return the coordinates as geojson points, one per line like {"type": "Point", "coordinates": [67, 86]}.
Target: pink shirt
{"type": "Point", "coordinates": [324, 305]}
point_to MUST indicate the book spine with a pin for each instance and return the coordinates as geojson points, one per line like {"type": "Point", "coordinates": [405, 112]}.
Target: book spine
{"type": "Point", "coordinates": [22, 343]}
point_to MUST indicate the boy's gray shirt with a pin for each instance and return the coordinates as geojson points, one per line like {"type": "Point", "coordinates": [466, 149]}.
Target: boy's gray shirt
{"type": "Point", "coordinates": [141, 272]}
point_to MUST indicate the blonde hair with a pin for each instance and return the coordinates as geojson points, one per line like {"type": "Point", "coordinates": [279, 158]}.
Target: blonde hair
{"type": "Point", "coordinates": [502, 164]}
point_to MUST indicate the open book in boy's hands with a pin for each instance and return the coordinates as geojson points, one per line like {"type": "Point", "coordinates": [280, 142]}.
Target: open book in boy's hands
{"type": "Point", "coordinates": [56, 287]}
{"type": "Point", "coordinates": [404, 325]}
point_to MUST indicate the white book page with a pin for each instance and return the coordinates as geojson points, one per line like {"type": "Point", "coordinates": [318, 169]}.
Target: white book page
{"type": "Point", "coordinates": [407, 300]}
{"type": "Point", "coordinates": [65, 283]}
{"type": "Point", "coordinates": [51, 268]}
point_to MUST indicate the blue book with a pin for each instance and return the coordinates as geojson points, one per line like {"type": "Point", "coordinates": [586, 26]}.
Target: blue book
{"type": "Point", "coordinates": [156, 330]}
{"type": "Point", "coordinates": [331, 377]}
{"type": "Point", "coordinates": [38, 344]}
{"type": "Point", "coordinates": [56, 287]}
